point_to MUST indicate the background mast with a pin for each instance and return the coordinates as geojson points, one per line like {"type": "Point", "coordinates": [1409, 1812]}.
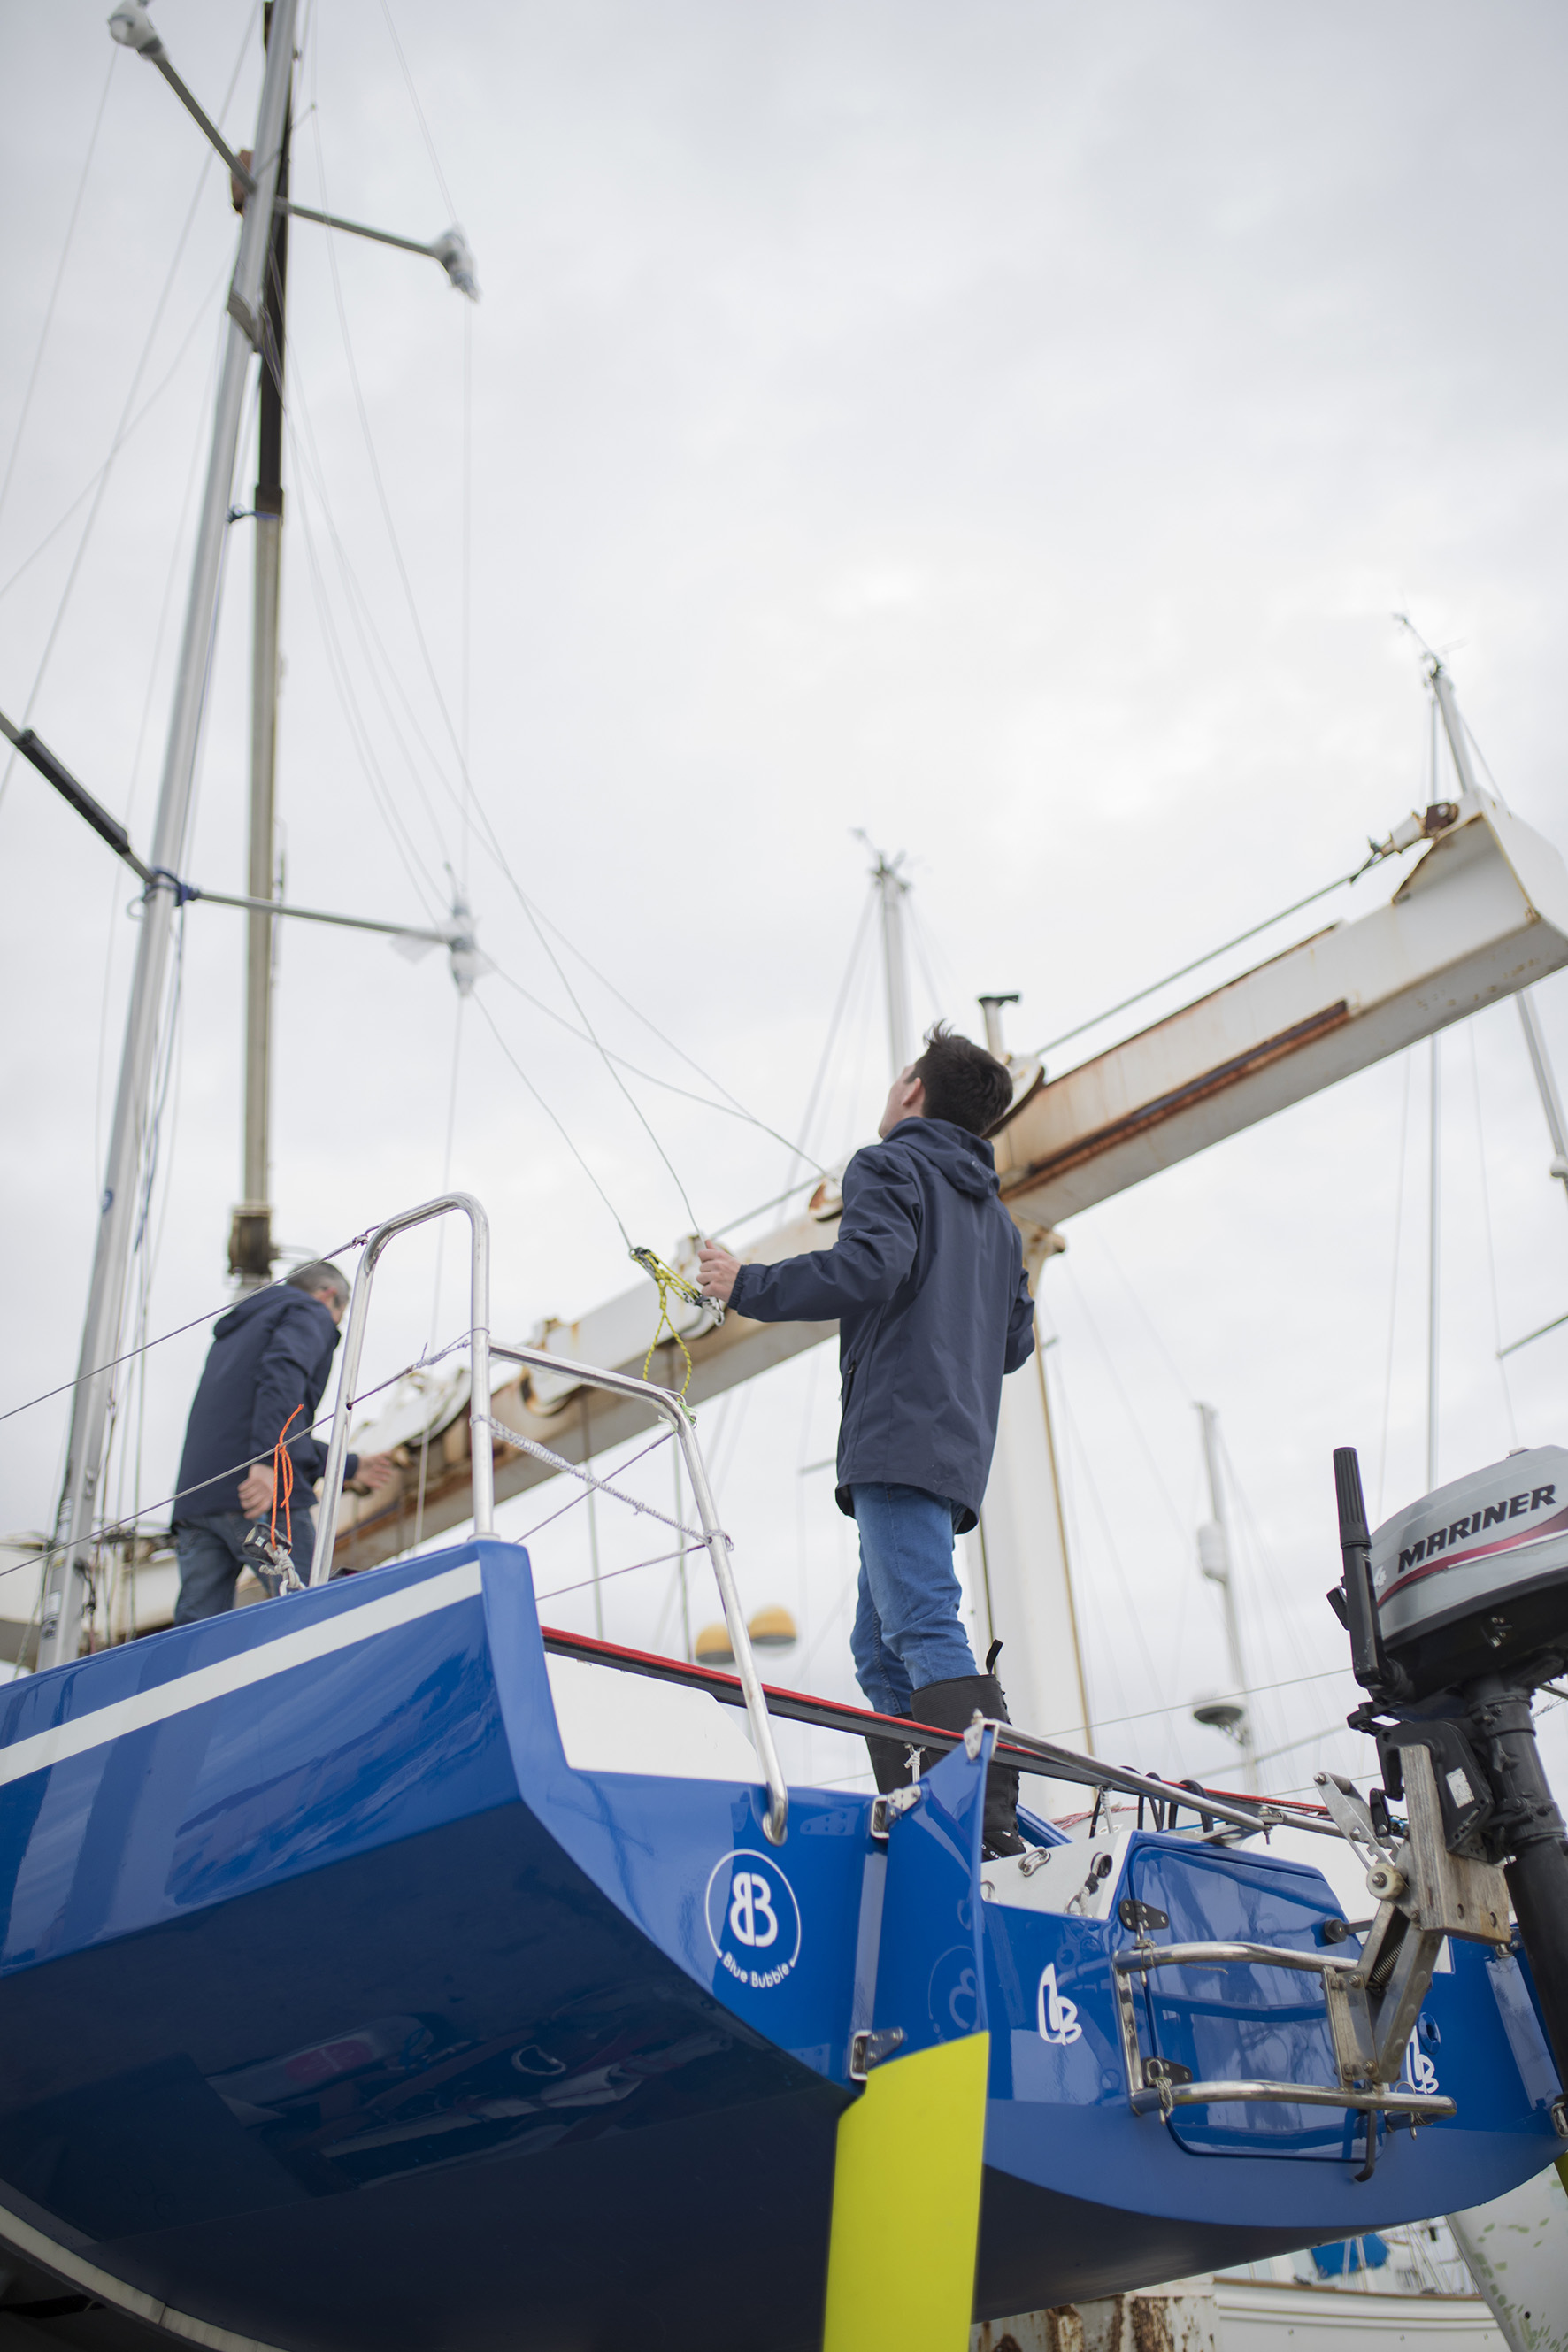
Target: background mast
{"type": "Point", "coordinates": [1214, 1559]}
{"type": "Point", "coordinates": [250, 1250]}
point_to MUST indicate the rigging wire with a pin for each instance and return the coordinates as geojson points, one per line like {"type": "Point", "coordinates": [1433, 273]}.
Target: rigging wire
{"type": "Point", "coordinates": [1393, 1281]}
{"type": "Point", "coordinates": [1487, 1226]}
{"type": "Point", "coordinates": [118, 441]}
{"type": "Point", "coordinates": [1076, 1472]}
{"type": "Point", "coordinates": [853, 1120]}
{"type": "Point", "coordinates": [353, 1242]}
{"type": "Point", "coordinates": [359, 733]}
{"type": "Point", "coordinates": [926, 954]}
{"type": "Point", "coordinates": [369, 439]}
{"type": "Point", "coordinates": [116, 882]}
{"type": "Point", "coordinates": [201, 316]}
{"type": "Point", "coordinates": [638, 1013]}
{"type": "Point", "coordinates": [1263, 1571]}
{"type": "Point", "coordinates": [310, 471]}
{"type": "Point", "coordinates": [705, 1102]}
{"type": "Point", "coordinates": [1209, 957]}
{"type": "Point", "coordinates": [1183, 1530]}
{"type": "Point", "coordinates": [55, 289]}
{"type": "Point", "coordinates": [731, 1224]}
{"type": "Point", "coordinates": [468, 612]}
{"type": "Point", "coordinates": [420, 114]}
{"type": "Point", "coordinates": [1150, 1714]}
{"type": "Point", "coordinates": [107, 1531]}
{"type": "Point", "coordinates": [446, 1186]}
{"type": "Point", "coordinates": [851, 966]}
{"type": "Point", "coordinates": [470, 807]}
{"type": "Point", "coordinates": [664, 1438]}
{"type": "Point", "coordinates": [469, 799]}
{"type": "Point", "coordinates": [166, 1058]}
{"type": "Point", "coordinates": [609, 1575]}
{"type": "Point", "coordinates": [365, 624]}
{"type": "Point", "coordinates": [555, 1122]}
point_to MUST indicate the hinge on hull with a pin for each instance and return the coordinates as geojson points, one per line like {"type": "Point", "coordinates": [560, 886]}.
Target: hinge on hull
{"type": "Point", "coordinates": [885, 1811]}
{"type": "Point", "coordinates": [868, 2049]}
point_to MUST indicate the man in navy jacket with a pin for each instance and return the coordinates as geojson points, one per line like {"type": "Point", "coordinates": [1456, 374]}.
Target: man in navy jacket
{"type": "Point", "coordinates": [262, 1382]}
{"type": "Point", "coordinates": [927, 1283]}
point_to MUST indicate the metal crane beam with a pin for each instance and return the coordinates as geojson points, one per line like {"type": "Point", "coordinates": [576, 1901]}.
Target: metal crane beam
{"type": "Point", "coordinates": [1483, 915]}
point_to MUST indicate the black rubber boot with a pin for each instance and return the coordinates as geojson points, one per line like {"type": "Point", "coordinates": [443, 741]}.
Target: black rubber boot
{"type": "Point", "coordinates": [950, 1706]}
{"type": "Point", "coordinates": [889, 1762]}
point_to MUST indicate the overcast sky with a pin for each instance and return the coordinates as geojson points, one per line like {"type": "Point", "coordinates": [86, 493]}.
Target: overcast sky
{"type": "Point", "coordinates": [1006, 428]}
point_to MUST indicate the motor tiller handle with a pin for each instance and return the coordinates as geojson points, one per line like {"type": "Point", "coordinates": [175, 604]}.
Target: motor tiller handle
{"type": "Point", "coordinates": [1369, 1660]}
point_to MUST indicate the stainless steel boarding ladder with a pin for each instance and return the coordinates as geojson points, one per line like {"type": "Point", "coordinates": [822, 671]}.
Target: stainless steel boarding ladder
{"type": "Point", "coordinates": [1160, 2084]}
{"type": "Point", "coordinates": [1424, 1896]}
{"type": "Point", "coordinates": [664, 1403]}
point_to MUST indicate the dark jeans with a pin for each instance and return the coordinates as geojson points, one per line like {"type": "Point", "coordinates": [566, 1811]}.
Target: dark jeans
{"type": "Point", "coordinates": [211, 1558]}
{"type": "Point", "coordinates": [908, 1631]}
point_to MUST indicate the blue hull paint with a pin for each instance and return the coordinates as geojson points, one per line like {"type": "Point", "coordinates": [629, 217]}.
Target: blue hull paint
{"type": "Point", "coordinates": [342, 2012]}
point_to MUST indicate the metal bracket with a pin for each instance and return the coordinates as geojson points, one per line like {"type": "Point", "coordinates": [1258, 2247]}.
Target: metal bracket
{"type": "Point", "coordinates": [1352, 1817]}
{"type": "Point", "coordinates": [885, 1811]}
{"type": "Point", "coordinates": [868, 2049]}
{"type": "Point", "coordinates": [1139, 1916]}
{"type": "Point", "coordinates": [1448, 1893]}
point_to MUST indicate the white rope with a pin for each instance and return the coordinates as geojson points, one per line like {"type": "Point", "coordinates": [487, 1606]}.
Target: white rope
{"type": "Point", "coordinates": [601, 1486]}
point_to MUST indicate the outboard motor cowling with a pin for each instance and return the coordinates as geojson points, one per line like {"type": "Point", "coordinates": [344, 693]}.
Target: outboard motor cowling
{"type": "Point", "coordinates": [1474, 1579]}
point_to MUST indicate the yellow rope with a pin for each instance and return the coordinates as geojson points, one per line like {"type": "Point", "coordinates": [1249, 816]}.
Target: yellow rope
{"type": "Point", "coordinates": [668, 1280]}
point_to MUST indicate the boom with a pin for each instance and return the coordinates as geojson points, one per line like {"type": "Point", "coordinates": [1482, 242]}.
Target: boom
{"type": "Point", "coordinates": [1483, 915]}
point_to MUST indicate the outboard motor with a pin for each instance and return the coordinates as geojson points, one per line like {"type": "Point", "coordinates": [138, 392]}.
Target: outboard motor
{"type": "Point", "coordinates": [1458, 1614]}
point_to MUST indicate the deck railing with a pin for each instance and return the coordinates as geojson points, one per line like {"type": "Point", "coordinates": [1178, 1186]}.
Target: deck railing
{"type": "Point", "coordinates": [481, 1349]}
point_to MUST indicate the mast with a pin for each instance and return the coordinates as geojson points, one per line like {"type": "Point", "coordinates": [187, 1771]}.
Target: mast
{"type": "Point", "coordinates": [65, 1583]}
{"type": "Point", "coordinates": [1214, 1560]}
{"type": "Point", "coordinates": [890, 889]}
{"type": "Point", "coordinates": [1535, 1042]}
{"type": "Point", "coordinates": [251, 1251]}
{"type": "Point", "coordinates": [1019, 1551]}
{"type": "Point", "coordinates": [1434, 1259]}
{"type": "Point", "coordinates": [1546, 1086]}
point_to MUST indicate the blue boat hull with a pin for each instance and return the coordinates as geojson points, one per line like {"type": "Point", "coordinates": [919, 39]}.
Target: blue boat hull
{"type": "Point", "coordinates": [339, 2012]}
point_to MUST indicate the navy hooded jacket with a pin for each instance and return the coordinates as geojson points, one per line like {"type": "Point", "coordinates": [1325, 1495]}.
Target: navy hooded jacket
{"type": "Point", "coordinates": [927, 1283]}
{"type": "Point", "coordinates": [272, 1353]}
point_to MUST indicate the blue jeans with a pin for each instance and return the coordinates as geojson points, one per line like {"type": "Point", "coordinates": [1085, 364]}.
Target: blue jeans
{"type": "Point", "coordinates": [211, 1558]}
{"type": "Point", "coordinates": [906, 1627]}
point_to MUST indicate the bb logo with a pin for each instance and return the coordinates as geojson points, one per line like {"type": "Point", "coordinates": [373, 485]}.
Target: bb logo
{"type": "Point", "coordinates": [1059, 2017]}
{"type": "Point", "coordinates": [753, 1920]}
{"type": "Point", "coordinates": [752, 1914]}
{"type": "Point", "coordinates": [953, 1994]}
{"type": "Point", "coordinates": [1422, 2070]}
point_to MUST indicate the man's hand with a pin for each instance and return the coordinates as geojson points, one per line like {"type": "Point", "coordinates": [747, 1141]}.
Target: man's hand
{"type": "Point", "coordinates": [256, 1491]}
{"type": "Point", "coordinates": [719, 1270]}
{"type": "Point", "coordinates": [375, 1471]}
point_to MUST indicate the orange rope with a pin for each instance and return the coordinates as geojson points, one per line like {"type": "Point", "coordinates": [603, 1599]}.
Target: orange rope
{"type": "Point", "coordinates": [283, 1477]}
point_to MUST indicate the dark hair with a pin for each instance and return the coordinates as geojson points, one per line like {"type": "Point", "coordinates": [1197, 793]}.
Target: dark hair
{"type": "Point", "coordinates": [321, 1275]}
{"type": "Point", "coordinates": [963, 1083]}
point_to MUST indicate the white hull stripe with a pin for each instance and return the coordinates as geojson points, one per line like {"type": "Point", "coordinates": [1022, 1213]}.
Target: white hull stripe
{"type": "Point", "coordinates": [340, 1632]}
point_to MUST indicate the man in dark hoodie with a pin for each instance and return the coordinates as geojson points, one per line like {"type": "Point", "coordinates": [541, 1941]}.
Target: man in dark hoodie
{"type": "Point", "coordinates": [261, 1383]}
{"type": "Point", "coordinates": [927, 1283]}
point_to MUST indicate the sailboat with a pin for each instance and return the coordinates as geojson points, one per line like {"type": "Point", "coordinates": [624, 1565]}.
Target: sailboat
{"type": "Point", "coordinates": [380, 1969]}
